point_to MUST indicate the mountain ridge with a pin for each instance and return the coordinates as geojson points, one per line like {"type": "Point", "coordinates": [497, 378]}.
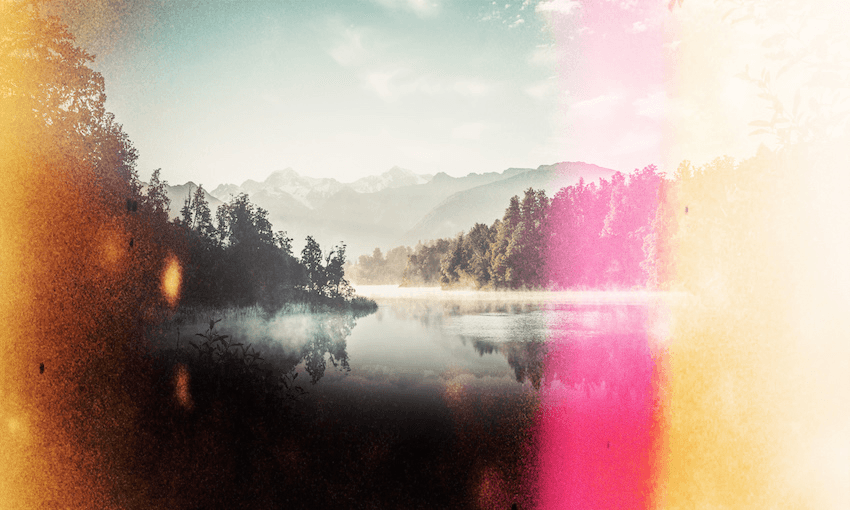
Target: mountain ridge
{"type": "Point", "coordinates": [427, 207]}
{"type": "Point", "coordinates": [481, 204]}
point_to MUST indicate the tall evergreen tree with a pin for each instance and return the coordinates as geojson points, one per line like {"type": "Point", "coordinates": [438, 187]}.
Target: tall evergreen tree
{"type": "Point", "coordinates": [155, 200]}
{"type": "Point", "coordinates": [499, 264]}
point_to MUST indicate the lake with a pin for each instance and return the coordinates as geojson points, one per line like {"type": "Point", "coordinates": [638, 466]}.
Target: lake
{"type": "Point", "coordinates": [470, 400]}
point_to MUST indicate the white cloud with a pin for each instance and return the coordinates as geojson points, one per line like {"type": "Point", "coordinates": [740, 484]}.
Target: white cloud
{"type": "Point", "coordinates": [518, 22]}
{"type": "Point", "coordinates": [351, 51]}
{"type": "Point", "coordinates": [651, 105]}
{"type": "Point", "coordinates": [399, 84]}
{"type": "Point", "coordinates": [671, 46]}
{"type": "Point", "coordinates": [542, 89]}
{"type": "Point", "coordinates": [422, 8]}
{"type": "Point", "coordinates": [638, 142]}
{"type": "Point", "coordinates": [564, 7]}
{"type": "Point", "coordinates": [468, 131]}
{"type": "Point", "coordinates": [638, 27]}
{"type": "Point", "coordinates": [391, 85]}
{"type": "Point", "coordinates": [544, 55]}
{"type": "Point", "coordinates": [381, 83]}
{"type": "Point", "coordinates": [466, 87]}
{"type": "Point", "coordinates": [271, 99]}
{"type": "Point", "coordinates": [599, 106]}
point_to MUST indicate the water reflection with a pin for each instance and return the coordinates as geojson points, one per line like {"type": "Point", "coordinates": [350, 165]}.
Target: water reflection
{"type": "Point", "coordinates": [285, 342]}
{"type": "Point", "coordinates": [408, 342]}
{"type": "Point", "coordinates": [328, 341]}
{"type": "Point", "coordinates": [602, 418]}
{"type": "Point", "coordinates": [426, 404]}
{"type": "Point", "coordinates": [526, 358]}
{"type": "Point", "coordinates": [597, 345]}
{"type": "Point", "coordinates": [601, 348]}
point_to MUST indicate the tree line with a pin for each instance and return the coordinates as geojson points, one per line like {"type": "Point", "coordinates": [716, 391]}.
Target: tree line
{"type": "Point", "coordinates": [237, 259]}
{"type": "Point", "coordinates": [377, 269]}
{"type": "Point", "coordinates": [589, 235]}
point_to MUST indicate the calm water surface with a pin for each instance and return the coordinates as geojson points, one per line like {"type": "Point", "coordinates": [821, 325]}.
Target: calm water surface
{"type": "Point", "coordinates": [421, 336]}
{"type": "Point", "coordinates": [435, 400]}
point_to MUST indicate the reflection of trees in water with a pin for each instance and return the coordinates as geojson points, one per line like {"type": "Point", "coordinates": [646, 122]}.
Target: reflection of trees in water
{"type": "Point", "coordinates": [614, 361]}
{"type": "Point", "coordinates": [601, 347]}
{"type": "Point", "coordinates": [592, 347]}
{"type": "Point", "coordinates": [314, 340]}
{"type": "Point", "coordinates": [329, 337]}
{"type": "Point", "coordinates": [527, 361]}
{"type": "Point", "coordinates": [526, 358]}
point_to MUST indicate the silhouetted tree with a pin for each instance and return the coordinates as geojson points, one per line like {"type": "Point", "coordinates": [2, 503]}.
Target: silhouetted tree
{"type": "Point", "coordinates": [478, 249]}
{"type": "Point", "coordinates": [453, 263]}
{"type": "Point", "coordinates": [336, 285]}
{"type": "Point", "coordinates": [311, 259]}
{"type": "Point", "coordinates": [155, 200]}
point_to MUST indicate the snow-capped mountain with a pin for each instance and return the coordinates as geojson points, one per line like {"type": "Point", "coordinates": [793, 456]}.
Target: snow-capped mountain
{"type": "Point", "coordinates": [310, 192]}
{"type": "Point", "coordinates": [395, 177]}
{"type": "Point", "coordinates": [313, 192]}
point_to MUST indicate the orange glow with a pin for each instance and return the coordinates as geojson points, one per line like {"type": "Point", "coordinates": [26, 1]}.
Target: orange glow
{"type": "Point", "coordinates": [172, 277]}
{"type": "Point", "coordinates": [113, 248]}
{"type": "Point", "coordinates": [491, 490]}
{"type": "Point", "coordinates": [182, 387]}
{"type": "Point", "coordinates": [68, 296]}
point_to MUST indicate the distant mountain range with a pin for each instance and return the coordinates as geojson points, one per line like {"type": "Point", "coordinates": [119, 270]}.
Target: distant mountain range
{"type": "Point", "coordinates": [313, 192]}
{"type": "Point", "coordinates": [387, 210]}
{"type": "Point", "coordinates": [485, 203]}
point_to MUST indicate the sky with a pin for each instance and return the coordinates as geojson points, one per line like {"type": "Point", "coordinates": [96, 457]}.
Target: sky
{"type": "Point", "coordinates": [224, 91]}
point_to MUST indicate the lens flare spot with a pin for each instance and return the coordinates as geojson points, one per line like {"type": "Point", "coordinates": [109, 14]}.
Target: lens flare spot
{"type": "Point", "coordinates": [182, 388]}
{"type": "Point", "coordinates": [111, 253]}
{"type": "Point", "coordinates": [491, 490]}
{"type": "Point", "coordinates": [17, 428]}
{"type": "Point", "coordinates": [111, 246]}
{"type": "Point", "coordinates": [171, 280]}
{"type": "Point", "coordinates": [455, 389]}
